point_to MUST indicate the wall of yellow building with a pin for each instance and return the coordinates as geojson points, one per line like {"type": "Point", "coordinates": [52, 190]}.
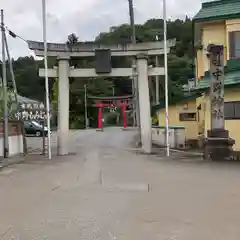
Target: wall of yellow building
{"type": "Point", "coordinates": [212, 33]}
{"type": "Point", "coordinates": [191, 127]}
{"type": "Point", "coordinates": [200, 127]}
{"type": "Point", "coordinates": [199, 64]}
{"type": "Point", "coordinates": [215, 32]}
{"type": "Point", "coordinates": [231, 26]}
{"type": "Point", "coordinates": [233, 126]}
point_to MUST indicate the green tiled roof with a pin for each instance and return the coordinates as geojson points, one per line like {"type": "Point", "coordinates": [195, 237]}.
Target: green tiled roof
{"type": "Point", "coordinates": [231, 79]}
{"type": "Point", "coordinates": [232, 75]}
{"type": "Point", "coordinates": [178, 99]}
{"type": "Point", "coordinates": [221, 9]}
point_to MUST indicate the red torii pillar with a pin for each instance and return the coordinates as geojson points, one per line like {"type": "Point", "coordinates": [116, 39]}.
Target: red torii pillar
{"type": "Point", "coordinates": [100, 124]}
{"type": "Point", "coordinates": [124, 107]}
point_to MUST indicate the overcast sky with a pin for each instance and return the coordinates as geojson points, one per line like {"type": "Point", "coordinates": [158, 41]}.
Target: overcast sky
{"type": "Point", "coordinates": [86, 18]}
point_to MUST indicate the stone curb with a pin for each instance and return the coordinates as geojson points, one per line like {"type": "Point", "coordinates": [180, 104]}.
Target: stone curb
{"type": "Point", "coordinates": [11, 161]}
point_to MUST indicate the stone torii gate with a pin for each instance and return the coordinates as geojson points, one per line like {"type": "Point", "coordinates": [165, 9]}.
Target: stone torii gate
{"type": "Point", "coordinates": [102, 54]}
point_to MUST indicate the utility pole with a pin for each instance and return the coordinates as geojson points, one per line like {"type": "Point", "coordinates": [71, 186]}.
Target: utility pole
{"type": "Point", "coordinates": [157, 78]}
{"type": "Point", "coordinates": [14, 88]}
{"type": "Point", "coordinates": [46, 76]}
{"type": "Point", "coordinates": [5, 92]}
{"type": "Point", "coordinates": [157, 83]}
{"type": "Point", "coordinates": [86, 111]}
{"type": "Point", "coordinates": [166, 76]}
{"type": "Point", "coordinates": [135, 79]}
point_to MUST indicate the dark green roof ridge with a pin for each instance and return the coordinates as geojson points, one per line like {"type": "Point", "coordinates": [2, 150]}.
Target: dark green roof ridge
{"type": "Point", "coordinates": [217, 10]}
{"type": "Point", "coordinates": [217, 2]}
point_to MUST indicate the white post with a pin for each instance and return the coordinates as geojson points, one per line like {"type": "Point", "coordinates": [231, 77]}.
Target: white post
{"type": "Point", "coordinates": [157, 83]}
{"type": "Point", "coordinates": [63, 105]}
{"type": "Point", "coordinates": [166, 76]}
{"type": "Point", "coordinates": [144, 103]}
{"type": "Point", "coordinates": [85, 103]}
{"type": "Point", "coordinates": [46, 77]}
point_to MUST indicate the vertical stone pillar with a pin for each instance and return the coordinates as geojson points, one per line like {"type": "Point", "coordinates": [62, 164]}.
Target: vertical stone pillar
{"type": "Point", "coordinates": [144, 103]}
{"type": "Point", "coordinates": [63, 105]}
{"type": "Point", "coordinates": [218, 145]}
{"type": "Point", "coordinates": [216, 86]}
{"type": "Point", "coordinates": [157, 83]}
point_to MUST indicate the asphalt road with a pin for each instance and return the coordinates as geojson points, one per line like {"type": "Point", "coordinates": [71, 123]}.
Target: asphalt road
{"type": "Point", "coordinates": [108, 190]}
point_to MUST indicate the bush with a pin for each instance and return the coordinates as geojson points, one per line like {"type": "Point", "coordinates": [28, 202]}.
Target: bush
{"type": "Point", "coordinates": [155, 120]}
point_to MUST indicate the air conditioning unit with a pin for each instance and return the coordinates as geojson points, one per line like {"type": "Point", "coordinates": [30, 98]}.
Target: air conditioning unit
{"type": "Point", "coordinates": [191, 83]}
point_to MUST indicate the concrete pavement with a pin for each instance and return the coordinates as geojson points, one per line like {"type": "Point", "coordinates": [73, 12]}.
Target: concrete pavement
{"type": "Point", "coordinates": [110, 191]}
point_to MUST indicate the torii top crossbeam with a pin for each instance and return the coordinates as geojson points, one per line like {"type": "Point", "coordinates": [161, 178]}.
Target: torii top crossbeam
{"type": "Point", "coordinates": [112, 100]}
{"type": "Point", "coordinates": [127, 97]}
{"type": "Point", "coordinates": [88, 49]}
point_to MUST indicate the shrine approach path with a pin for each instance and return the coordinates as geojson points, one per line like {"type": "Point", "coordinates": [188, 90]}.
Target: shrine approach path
{"type": "Point", "coordinates": [110, 190]}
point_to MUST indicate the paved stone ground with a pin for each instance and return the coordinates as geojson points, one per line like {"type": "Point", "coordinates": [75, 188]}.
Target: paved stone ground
{"type": "Point", "coordinates": [110, 191]}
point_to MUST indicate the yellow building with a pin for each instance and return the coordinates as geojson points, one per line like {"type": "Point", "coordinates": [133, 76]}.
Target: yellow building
{"type": "Point", "coordinates": [218, 22]}
{"type": "Point", "coordinates": [181, 112]}
{"type": "Point", "coordinates": [193, 113]}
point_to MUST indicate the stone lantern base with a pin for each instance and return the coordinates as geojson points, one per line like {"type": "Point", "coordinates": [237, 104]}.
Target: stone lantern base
{"type": "Point", "coordinates": [218, 145]}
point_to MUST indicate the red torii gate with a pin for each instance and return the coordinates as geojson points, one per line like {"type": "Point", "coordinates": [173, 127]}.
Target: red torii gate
{"type": "Point", "coordinates": [113, 101]}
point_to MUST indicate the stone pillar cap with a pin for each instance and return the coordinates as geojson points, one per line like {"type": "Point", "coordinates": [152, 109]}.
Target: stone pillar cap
{"type": "Point", "coordinates": [215, 49]}
{"type": "Point", "coordinates": [63, 57]}
{"type": "Point", "coordinates": [142, 56]}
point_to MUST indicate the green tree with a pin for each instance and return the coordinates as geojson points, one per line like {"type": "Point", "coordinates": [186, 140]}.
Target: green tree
{"type": "Point", "coordinates": [72, 39]}
{"type": "Point", "coordinates": [11, 104]}
{"type": "Point", "coordinates": [180, 59]}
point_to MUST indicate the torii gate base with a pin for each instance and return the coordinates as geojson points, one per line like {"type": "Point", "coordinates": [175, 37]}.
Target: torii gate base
{"type": "Point", "coordinates": [99, 130]}
{"type": "Point", "coordinates": [141, 70]}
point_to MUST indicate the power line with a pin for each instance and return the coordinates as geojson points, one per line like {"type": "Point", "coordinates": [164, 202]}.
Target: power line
{"type": "Point", "coordinates": [14, 35]}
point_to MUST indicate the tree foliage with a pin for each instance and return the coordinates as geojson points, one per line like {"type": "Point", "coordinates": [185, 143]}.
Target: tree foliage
{"type": "Point", "coordinates": [29, 84]}
{"type": "Point", "coordinates": [11, 104]}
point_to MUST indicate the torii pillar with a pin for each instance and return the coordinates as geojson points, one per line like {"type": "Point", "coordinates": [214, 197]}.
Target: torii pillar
{"type": "Point", "coordinates": [144, 103]}
{"type": "Point", "coordinates": [63, 105]}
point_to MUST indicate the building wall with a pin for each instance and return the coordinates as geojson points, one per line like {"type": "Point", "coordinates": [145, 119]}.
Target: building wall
{"type": "Point", "coordinates": [200, 127]}
{"type": "Point", "coordinates": [199, 64]}
{"type": "Point", "coordinates": [212, 33]}
{"type": "Point", "coordinates": [15, 138]}
{"type": "Point", "coordinates": [231, 26]}
{"type": "Point", "coordinates": [172, 116]}
{"type": "Point", "coordinates": [191, 127]}
{"type": "Point", "coordinates": [216, 32]}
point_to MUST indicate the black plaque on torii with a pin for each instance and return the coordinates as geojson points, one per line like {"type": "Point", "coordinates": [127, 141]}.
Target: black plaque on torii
{"type": "Point", "coordinates": [103, 63]}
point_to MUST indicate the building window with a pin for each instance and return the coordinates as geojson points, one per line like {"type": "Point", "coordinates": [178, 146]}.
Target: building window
{"type": "Point", "coordinates": [187, 117]}
{"type": "Point", "coordinates": [234, 45]}
{"type": "Point", "coordinates": [232, 110]}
